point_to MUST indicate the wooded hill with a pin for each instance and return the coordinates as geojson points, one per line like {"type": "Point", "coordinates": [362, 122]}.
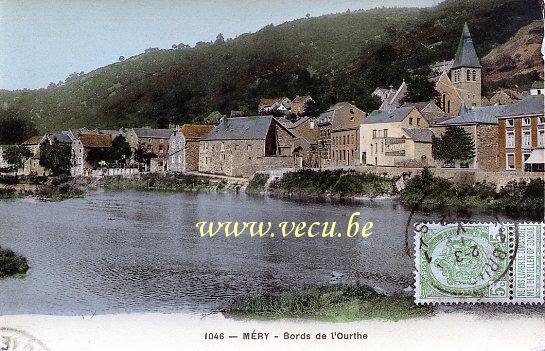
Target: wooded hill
{"type": "Point", "coordinates": [341, 57]}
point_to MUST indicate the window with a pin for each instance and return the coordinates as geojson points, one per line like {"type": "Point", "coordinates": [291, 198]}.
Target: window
{"type": "Point", "coordinates": [510, 161]}
{"type": "Point", "coordinates": [382, 147]}
{"type": "Point", "coordinates": [525, 157]}
{"type": "Point", "coordinates": [541, 137]}
{"type": "Point", "coordinates": [526, 121]}
{"type": "Point", "coordinates": [236, 147]}
{"type": "Point", "coordinates": [526, 138]}
{"type": "Point", "coordinates": [385, 133]}
{"type": "Point", "coordinates": [468, 75]}
{"type": "Point", "coordinates": [474, 75]}
{"type": "Point", "coordinates": [371, 148]}
{"type": "Point", "coordinates": [249, 148]}
{"type": "Point", "coordinates": [418, 121]}
{"type": "Point", "coordinates": [374, 133]}
{"type": "Point", "coordinates": [510, 122]}
{"type": "Point", "coordinates": [410, 121]}
{"type": "Point", "coordinates": [510, 140]}
{"type": "Point", "coordinates": [448, 106]}
{"type": "Point", "coordinates": [541, 120]}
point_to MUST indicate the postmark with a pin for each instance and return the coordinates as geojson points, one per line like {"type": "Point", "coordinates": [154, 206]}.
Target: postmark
{"type": "Point", "coordinates": [12, 339]}
{"type": "Point", "coordinates": [479, 263]}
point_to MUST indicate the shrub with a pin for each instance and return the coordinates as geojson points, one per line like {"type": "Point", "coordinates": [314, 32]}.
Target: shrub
{"type": "Point", "coordinates": [11, 264]}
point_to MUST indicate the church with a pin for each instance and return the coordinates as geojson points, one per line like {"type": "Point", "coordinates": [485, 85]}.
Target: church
{"type": "Point", "coordinates": [461, 85]}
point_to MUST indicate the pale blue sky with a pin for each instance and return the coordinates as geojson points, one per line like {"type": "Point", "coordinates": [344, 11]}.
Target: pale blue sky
{"type": "Point", "coordinates": [43, 41]}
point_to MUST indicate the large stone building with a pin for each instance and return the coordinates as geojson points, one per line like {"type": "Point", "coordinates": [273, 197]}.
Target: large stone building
{"type": "Point", "coordinates": [82, 144]}
{"type": "Point", "coordinates": [481, 123]}
{"type": "Point", "coordinates": [339, 138]}
{"type": "Point", "coordinates": [521, 134]}
{"type": "Point", "coordinates": [184, 147]}
{"type": "Point", "coordinates": [399, 137]}
{"type": "Point", "coordinates": [463, 86]}
{"type": "Point", "coordinates": [241, 146]}
{"type": "Point", "coordinates": [32, 165]}
{"type": "Point", "coordinates": [153, 146]}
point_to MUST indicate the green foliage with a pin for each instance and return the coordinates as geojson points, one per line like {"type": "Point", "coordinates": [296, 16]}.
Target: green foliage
{"type": "Point", "coordinates": [16, 155]}
{"type": "Point", "coordinates": [11, 264]}
{"type": "Point", "coordinates": [257, 184]}
{"type": "Point", "coordinates": [455, 145]}
{"type": "Point", "coordinates": [8, 193]}
{"type": "Point", "coordinates": [14, 129]}
{"type": "Point", "coordinates": [57, 157]}
{"type": "Point", "coordinates": [336, 303]}
{"type": "Point", "coordinates": [120, 150]}
{"type": "Point", "coordinates": [333, 58]}
{"type": "Point", "coordinates": [177, 182]}
{"type": "Point", "coordinates": [518, 199]}
{"type": "Point", "coordinates": [59, 193]}
{"type": "Point", "coordinates": [335, 183]}
{"type": "Point", "coordinates": [419, 88]}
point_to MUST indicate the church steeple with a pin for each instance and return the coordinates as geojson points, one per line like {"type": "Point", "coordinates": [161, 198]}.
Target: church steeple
{"type": "Point", "coordinates": [466, 56]}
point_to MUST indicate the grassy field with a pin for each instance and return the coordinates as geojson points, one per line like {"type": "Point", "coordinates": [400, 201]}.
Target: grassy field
{"type": "Point", "coordinates": [337, 303]}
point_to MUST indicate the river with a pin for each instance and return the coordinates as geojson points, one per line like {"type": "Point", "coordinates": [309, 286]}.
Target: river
{"type": "Point", "coordinates": [130, 251]}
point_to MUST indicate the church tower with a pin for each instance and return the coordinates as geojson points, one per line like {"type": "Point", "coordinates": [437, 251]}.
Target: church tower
{"type": "Point", "coordinates": [466, 71]}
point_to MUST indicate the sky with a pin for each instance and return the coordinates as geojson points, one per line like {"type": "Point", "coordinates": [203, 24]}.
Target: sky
{"type": "Point", "coordinates": [43, 41]}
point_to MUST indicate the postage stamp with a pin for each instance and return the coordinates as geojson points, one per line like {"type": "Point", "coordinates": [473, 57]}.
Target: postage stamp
{"type": "Point", "coordinates": [14, 340]}
{"type": "Point", "coordinates": [479, 263]}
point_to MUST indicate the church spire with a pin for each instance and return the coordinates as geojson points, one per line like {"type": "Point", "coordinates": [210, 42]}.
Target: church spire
{"type": "Point", "coordinates": [466, 56]}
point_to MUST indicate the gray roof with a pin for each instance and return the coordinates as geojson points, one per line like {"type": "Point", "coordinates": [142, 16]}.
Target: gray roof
{"type": "Point", "coordinates": [466, 56]}
{"type": "Point", "coordinates": [531, 105]}
{"type": "Point", "coordinates": [395, 115]}
{"type": "Point", "coordinates": [154, 133]}
{"type": "Point", "coordinates": [477, 115]}
{"type": "Point", "coordinates": [289, 124]}
{"type": "Point", "coordinates": [419, 135]}
{"type": "Point", "coordinates": [241, 128]}
{"type": "Point", "coordinates": [62, 137]}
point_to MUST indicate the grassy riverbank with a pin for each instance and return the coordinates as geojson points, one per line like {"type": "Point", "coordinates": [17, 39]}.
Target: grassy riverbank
{"type": "Point", "coordinates": [11, 264]}
{"type": "Point", "coordinates": [518, 199]}
{"type": "Point", "coordinates": [178, 182]}
{"type": "Point", "coordinates": [343, 184]}
{"type": "Point", "coordinates": [337, 303]}
{"type": "Point", "coordinates": [257, 184]}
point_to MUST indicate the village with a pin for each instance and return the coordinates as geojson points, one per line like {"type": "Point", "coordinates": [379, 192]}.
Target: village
{"type": "Point", "coordinates": [507, 135]}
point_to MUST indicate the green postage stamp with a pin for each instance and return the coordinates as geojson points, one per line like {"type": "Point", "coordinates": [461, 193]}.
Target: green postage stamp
{"type": "Point", "coordinates": [479, 263]}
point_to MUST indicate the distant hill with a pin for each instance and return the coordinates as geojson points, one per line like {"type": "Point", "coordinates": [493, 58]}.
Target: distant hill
{"type": "Point", "coordinates": [333, 58]}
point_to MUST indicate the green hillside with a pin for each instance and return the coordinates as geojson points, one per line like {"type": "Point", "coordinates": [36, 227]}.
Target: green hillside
{"type": "Point", "coordinates": [333, 58]}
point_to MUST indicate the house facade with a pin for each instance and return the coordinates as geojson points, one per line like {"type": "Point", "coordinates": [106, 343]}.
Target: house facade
{"type": "Point", "coordinates": [521, 131]}
{"type": "Point", "coordinates": [397, 138]}
{"type": "Point", "coordinates": [153, 144]}
{"type": "Point", "coordinates": [305, 144]}
{"type": "Point", "coordinates": [346, 121]}
{"type": "Point", "coordinates": [32, 165]}
{"type": "Point", "coordinates": [184, 147]}
{"type": "Point", "coordinates": [81, 146]}
{"type": "Point", "coordinates": [241, 146]}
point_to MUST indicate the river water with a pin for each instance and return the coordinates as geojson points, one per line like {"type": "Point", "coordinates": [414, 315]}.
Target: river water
{"type": "Point", "coordinates": [129, 251]}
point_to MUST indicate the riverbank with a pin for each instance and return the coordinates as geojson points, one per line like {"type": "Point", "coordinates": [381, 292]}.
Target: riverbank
{"type": "Point", "coordinates": [335, 303]}
{"type": "Point", "coordinates": [145, 331]}
{"type": "Point", "coordinates": [12, 265]}
{"type": "Point", "coordinates": [167, 182]}
{"type": "Point", "coordinates": [41, 188]}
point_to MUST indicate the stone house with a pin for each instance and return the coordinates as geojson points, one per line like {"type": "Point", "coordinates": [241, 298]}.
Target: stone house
{"type": "Point", "coordinates": [277, 106]}
{"type": "Point", "coordinates": [482, 124]}
{"type": "Point", "coordinates": [346, 120]}
{"type": "Point", "coordinates": [241, 146]}
{"type": "Point", "coordinates": [301, 104]}
{"type": "Point", "coordinates": [184, 147]}
{"type": "Point", "coordinates": [81, 145]}
{"type": "Point", "coordinates": [537, 88]}
{"type": "Point", "coordinates": [154, 143]}
{"type": "Point", "coordinates": [397, 138]}
{"type": "Point", "coordinates": [32, 165]}
{"type": "Point", "coordinates": [305, 144]}
{"type": "Point", "coordinates": [521, 133]}
{"type": "Point", "coordinates": [505, 97]}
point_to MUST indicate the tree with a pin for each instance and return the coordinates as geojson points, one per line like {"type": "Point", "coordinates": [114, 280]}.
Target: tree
{"type": "Point", "coordinates": [121, 58]}
{"type": "Point", "coordinates": [120, 150]}
{"type": "Point", "coordinates": [57, 157]}
{"type": "Point", "coordinates": [220, 39]}
{"type": "Point", "coordinates": [455, 145]}
{"type": "Point", "coordinates": [14, 129]}
{"type": "Point", "coordinates": [420, 89]}
{"type": "Point", "coordinates": [16, 156]}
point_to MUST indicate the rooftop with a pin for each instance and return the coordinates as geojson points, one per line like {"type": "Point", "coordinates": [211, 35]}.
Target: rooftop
{"type": "Point", "coordinates": [241, 128]}
{"type": "Point", "coordinates": [395, 115]}
{"type": "Point", "coordinates": [466, 56]}
{"type": "Point", "coordinates": [154, 133]}
{"type": "Point", "coordinates": [96, 140]}
{"type": "Point", "coordinates": [419, 135]}
{"type": "Point", "coordinates": [195, 130]}
{"type": "Point", "coordinates": [35, 140]}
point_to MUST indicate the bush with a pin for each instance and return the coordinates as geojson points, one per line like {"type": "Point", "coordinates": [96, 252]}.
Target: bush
{"type": "Point", "coordinates": [11, 264]}
{"type": "Point", "coordinates": [257, 184]}
{"type": "Point", "coordinates": [335, 183]}
{"type": "Point", "coordinates": [59, 193]}
{"type": "Point", "coordinates": [7, 193]}
{"type": "Point", "coordinates": [178, 182]}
